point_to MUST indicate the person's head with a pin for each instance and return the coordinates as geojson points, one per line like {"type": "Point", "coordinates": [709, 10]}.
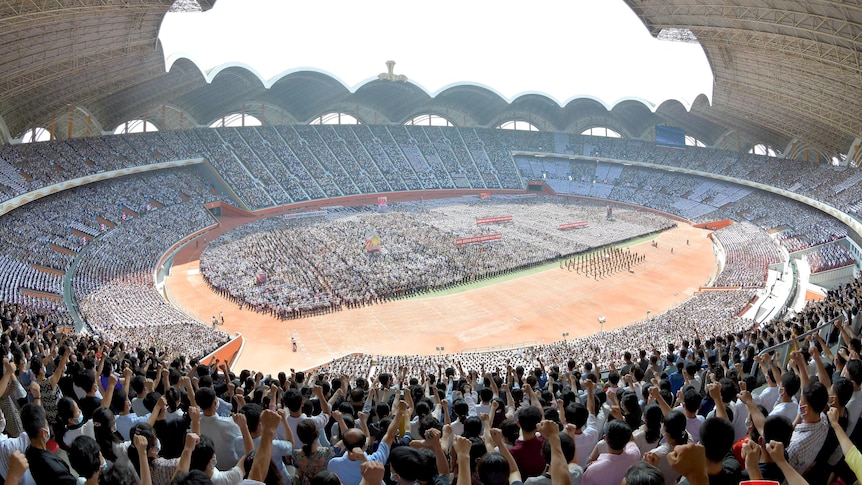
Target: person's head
{"type": "Point", "coordinates": [842, 391]}
{"type": "Point", "coordinates": [406, 465]}
{"type": "Point", "coordinates": [510, 430]}
{"type": "Point", "coordinates": [729, 389]}
{"type": "Point", "coordinates": [493, 469]}
{"type": "Point", "coordinates": [853, 371]}
{"type": "Point", "coordinates": [577, 414]}
{"type": "Point", "coordinates": [777, 428]}
{"type": "Point", "coordinates": [203, 456]}
{"type": "Point", "coordinates": [68, 412]}
{"type": "Point", "coordinates": [35, 423]}
{"type": "Point", "coordinates": [675, 428]}
{"type": "Point", "coordinates": [790, 384]}
{"type": "Point", "coordinates": [353, 438]}
{"type": "Point", "coordinates": [292, 400]}
{"type": "Point", "coordinates": [716, 436]}
{"type": "Point", "coordinates": [567, 444]}
{"type": "Point", "coordinates": [691, 399]}
{"type": "Point", "coordinates": [307, 433]}
{"type": "Point", "coordinates": [642, 473]}
{"type": "Point", "coordinates": [252, 412]}
{"type": "Point", "coordinates": [653, 418]}
{"type": "Point", "coordinates": [619, 433]}
{"type": "Point", "coordinates": [105, 432]}
{"type": "Point", "coordinates": [85, 457]}
{"type": "Point", "coordinates": [206, 398]}
{"type": "Point", "coordinates": [472, 427]}
{"type": "Point", "coordinates": [814, 400]}
{"type": "Point", "coordinates": [529, 417]}
{"type": "Point", "coordinates": [149, 434]}
{"type": "Point", "coordinates": [325, 477]}
{"type": "Point", "coordinates": [119, 474]}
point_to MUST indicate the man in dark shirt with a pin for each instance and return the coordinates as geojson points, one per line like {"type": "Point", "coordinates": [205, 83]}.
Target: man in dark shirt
{"type": "Point", "coordinates": [45, 466]}
{"type": "Point", "coordinates": [528, 450]}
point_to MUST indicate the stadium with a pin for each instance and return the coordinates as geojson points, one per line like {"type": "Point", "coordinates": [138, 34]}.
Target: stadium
{"type": "Point", "coordinates": [175, 217]}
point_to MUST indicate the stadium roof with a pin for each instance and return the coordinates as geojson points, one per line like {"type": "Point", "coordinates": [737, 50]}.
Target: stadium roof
{"type": "Point", "coordinates": [784, 71]}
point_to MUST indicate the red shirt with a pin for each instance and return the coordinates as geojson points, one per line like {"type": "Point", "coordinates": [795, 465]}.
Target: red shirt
{"type": "Point", "coordinates": [528, 456]}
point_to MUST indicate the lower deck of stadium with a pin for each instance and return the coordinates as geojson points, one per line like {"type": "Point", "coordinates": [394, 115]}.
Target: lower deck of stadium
{"type": "Point", "coordinates": [527, 310]}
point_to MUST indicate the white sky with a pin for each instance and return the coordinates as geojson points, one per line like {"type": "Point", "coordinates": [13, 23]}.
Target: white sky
{"type": "Point", "coordinates": [563, 48]}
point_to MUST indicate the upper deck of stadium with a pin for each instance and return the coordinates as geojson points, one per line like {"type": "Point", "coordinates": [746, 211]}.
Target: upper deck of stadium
{"type": "Point", "coordinates": [787, 75]}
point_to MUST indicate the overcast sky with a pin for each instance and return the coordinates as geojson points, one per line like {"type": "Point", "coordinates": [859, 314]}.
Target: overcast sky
{"type": "Point", "coordinates": [562, 48]}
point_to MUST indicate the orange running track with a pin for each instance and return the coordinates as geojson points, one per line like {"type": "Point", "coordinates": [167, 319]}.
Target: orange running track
{"type": "Point", "coordinates": [533, 308]}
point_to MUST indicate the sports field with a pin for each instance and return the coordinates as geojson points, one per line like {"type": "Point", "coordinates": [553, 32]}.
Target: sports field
{"type": "Point", "coordinates": [538, 305]}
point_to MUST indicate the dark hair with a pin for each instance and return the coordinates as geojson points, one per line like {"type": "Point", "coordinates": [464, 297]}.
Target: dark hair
{"type": "Point", "coordinates": [307, 432]}
{"type": "Point", "coordinates": [33, 419]}
{"type": "Point", "coordinates": [84, 456]}
{"type": "Point", "coordinates": [566, 442]}
{"type": "Point", "coordinates": [675, 426]}
{"type": "Point", "coordinates": [147, 431]}
{"type": "Point", "coordinates": [273, 474]}
{"type": "Point", "coordinates": [103, 422]}
{"type": "Point", "coordinates": [118, 474]}
{"type": "Point", "coordinates": [691, 399]}
{"type": "Point", "coordinates": [493, 469]}
{"type": "Point", "coordinates": [642, 473]}
{"type": "Point", "coordinates": [777, 428]}
{"type": "Point", "coordinates": [406, 462]}
{"type": "Point", "coordinates": [854, 370]}
{"type": "Point", "coordinates": [842, 387]}
{"type": "Point", "coordinates": [529, 417]}
{"type": "Point", "coordinates": [510, 430]}
{"type": "Point", "coordinates": [791, 383]}
{"type": "Point", "coordinates": [325, 477]}
{"type": "Point", "coordinates": [252, 412]}
{"type": "Point", "coordinates": [653, 417]}
{"type": "Point", "coordinates": [716, 436]}
{"type": "Point", "coordinates": [205, 397]}
{"type": "Point", "coordinates": [472, 427]}
{"type": "Point", "coordinates": [292, 400]}
{"type": "Point", "coordinates": [619, 433]}
{"type": "Point", "coordinates": [203, 454]}
{"type": "Point", "coordinates": [816, 396]}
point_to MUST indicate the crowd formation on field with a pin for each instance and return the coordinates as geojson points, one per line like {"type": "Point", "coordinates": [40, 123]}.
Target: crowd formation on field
{"type": "Point", "coordinates": [323, 264]}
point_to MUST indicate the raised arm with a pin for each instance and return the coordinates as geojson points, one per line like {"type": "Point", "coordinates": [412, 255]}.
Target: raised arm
{"type": "Point", "coordinates": [401, 407]}
{"type": "Point", "coordinates": [324, 405]}
{"type": "Point", "coordinates": [559, 468]}
{"type": "Point", "coordinates": [60, 370]}
{"type": "Point", "coordinates": [514, 473]}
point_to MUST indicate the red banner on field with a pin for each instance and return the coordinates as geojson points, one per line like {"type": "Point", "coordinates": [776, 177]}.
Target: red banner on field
{"type": "Point", "coordinates": [573, 225]}
{"type": "Point", "coordinates": [461, 241]}
{"type": "Point", "coordinates": [493, 220]}
{"type": "Point", "coordinates": [484, 195]}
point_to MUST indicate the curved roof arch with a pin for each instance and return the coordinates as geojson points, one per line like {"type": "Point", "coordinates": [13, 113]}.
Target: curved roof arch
{"type": "Point", "coordinates": [783, 71]}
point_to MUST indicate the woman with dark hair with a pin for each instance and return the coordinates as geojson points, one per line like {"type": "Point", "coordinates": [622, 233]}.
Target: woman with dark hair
{"type": "Point", "coordinates": [161, 469]}
{"type": "Point", "coordinates": [48, 387]}
{"type": "Point", "coordinates": [111, 444]}
{"type": "Point", "coordinates": [674, 434]}
{"type": "Point", "coordinates": [648, 434]}
{"type": "Point", "coordinates": [312, 458]}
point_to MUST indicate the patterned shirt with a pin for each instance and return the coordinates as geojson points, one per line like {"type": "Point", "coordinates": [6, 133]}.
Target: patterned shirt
{"type": "Point", "coordinates": [806, 442]}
